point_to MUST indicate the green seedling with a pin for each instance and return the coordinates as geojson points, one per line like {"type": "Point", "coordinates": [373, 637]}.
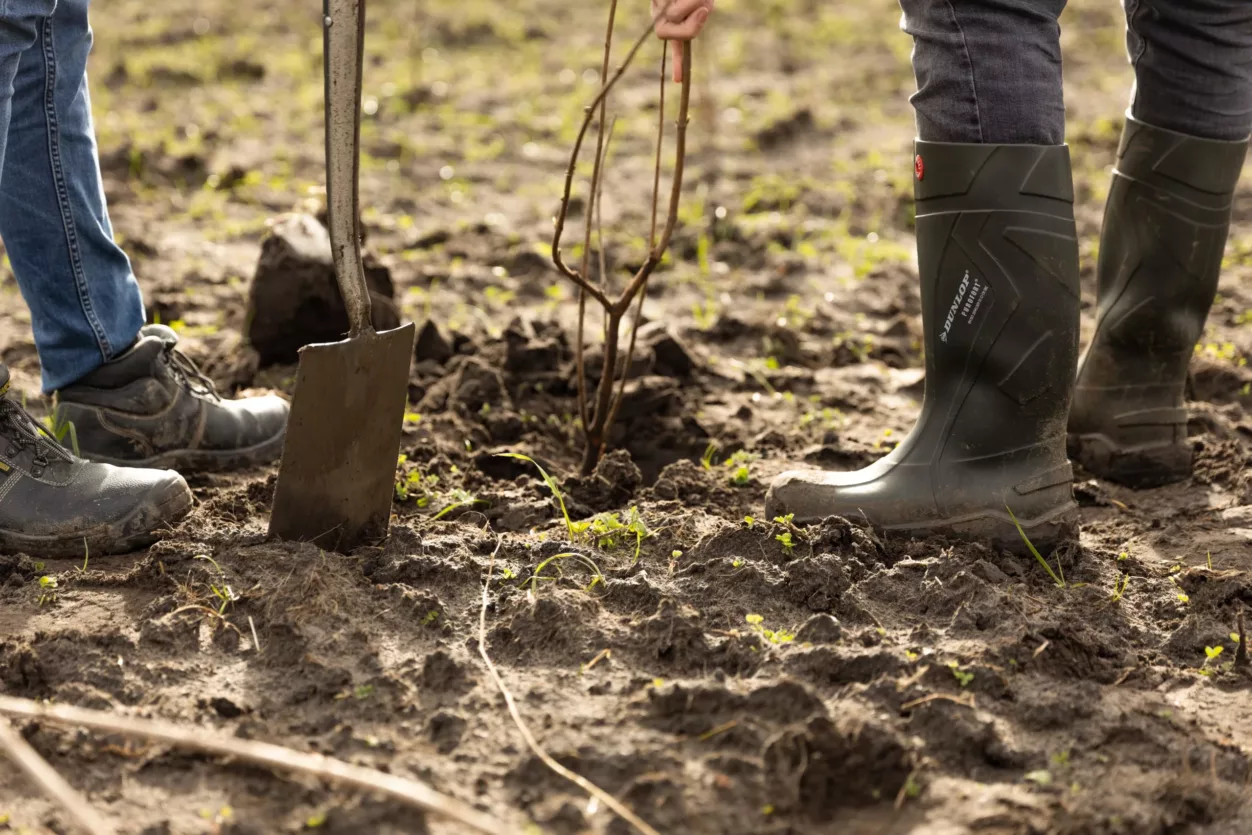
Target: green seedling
{"type": "Point", "coordinates": [552, 485]}
{"type": "Point", "coordinates": [607, 531]}
{"type": "Point", "coordinates": [785, 539]}
{"type": "Point", "coordinates": [674, 557]}
{"type": "Point", "coordinates": [86, 555]}
{"type": "Point", "coordinates": [224, 594]}
{"type": "Point", "coordinates": [211, 562]}
{"type": "Point", "coordinates": [597, 577]}
{"type": "Point", "coordinates": [1061, 759]}
{"type": "Point", "coordinates": [780, 636]}
{"type": "Point", "coordinates": [706, 460]}
{"type": "Point", "coordinates": [962, 677]}
{"type": "Point", "coordinates": [431, 617]}
{"type": "Point", "coordinates": [457, 499]}
{"type": "Point", "coordinates": [1208, 555]}
{"type": "Point", "coordinates": [1059, 580]}
{"type": "Point", "coordinates": [1211, 654]}
{"type": "Point", "coordinates": [737, 562]}
{"type": "Point", "coordinates": [1119, 588]}
{"type": "Point", "coordinates": [58, 429]}
{"type": "Point", "coordinates": [363, 691]}
{"type": "Point", "coordinates": [739, 465]}
{"type": "Point", "coordinates": [1041, 777]}
{"type": "Point", "coordinates": [315, 820]}
{"type": "Point", "coordinates": [749, 521]}
{"type": "Point", "coordinates": [1124, 555]}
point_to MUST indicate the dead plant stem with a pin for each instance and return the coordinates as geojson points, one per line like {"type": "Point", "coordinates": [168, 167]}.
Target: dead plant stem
{"type": "Point", "coordinates": [577, 779]}
{"type": "Point", "coordinates": [409, 792]}
{"type": "Point", "coordinates": [35, 767]}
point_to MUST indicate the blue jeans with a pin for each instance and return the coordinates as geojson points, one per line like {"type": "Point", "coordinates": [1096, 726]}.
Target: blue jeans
{"type": "Point", "coordinates": [85, 306]}
{"type": "Point", "coordinates": [990, 70]}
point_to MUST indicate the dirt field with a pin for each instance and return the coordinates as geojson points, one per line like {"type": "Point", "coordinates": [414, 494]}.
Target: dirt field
{"type": "Point", "coordinates": [713, 673]}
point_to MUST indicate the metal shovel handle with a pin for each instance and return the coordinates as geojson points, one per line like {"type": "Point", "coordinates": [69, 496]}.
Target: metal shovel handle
{"type": "Point", "coordinates": [343, 51]}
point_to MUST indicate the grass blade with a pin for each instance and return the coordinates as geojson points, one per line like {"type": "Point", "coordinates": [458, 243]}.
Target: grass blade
{"type": "Point", "coordinates": [1060, 581]}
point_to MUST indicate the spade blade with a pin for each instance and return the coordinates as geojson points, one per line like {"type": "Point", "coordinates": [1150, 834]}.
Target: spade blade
{"type": "Point", "coordinates": [337, 477]}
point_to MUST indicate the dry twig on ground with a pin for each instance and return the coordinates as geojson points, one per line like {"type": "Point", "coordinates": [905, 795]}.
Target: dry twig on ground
{"type": "Point", "coordinates": [577, 779]}
{"type": "Point", "coordinates": [407, 791]}
{"type": "Point", "coordinates": [26, 758]}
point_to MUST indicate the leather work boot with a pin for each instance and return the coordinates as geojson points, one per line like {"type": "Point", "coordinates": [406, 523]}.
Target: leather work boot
{"type": "Point", "coordinates": [54, 505]}
{"type": "Point", "coordinates": [998, 262]}
{"type": "Point", "coordinates": [151, 407]}
{"type": "Point", "coordinates": [1161, 248]}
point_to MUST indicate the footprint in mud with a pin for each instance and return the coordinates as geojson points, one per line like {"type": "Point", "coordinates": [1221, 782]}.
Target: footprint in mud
{"type": "Point", "coordinates": [964, 742]}
{"type": "Point", "coordinates": [673, 638]}
{"type": "Point", "coordinates": [823, 765]}
{"type": "Point", "coordinates": [558, 626]}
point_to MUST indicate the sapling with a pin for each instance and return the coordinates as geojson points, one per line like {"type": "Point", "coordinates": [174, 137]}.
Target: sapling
{"type": "Point", "coordinates": [597, 418]}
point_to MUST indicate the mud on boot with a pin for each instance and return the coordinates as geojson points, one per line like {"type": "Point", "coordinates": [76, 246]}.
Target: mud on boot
{"type": "Point", "coordinates": [1165, 228]}
{"type": "Point", "coordinates": [151, 407]}
{"type": "Point", "coordinates": [53, 504]}
{"type": "Point", "coordinates": [998, 261]}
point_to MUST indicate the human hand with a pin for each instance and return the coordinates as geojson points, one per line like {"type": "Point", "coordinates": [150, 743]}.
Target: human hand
{"type": "Point", "coordinates": [681, 21]}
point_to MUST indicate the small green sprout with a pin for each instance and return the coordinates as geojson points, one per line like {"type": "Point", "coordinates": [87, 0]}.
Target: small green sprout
{"type": "Point", "coordinates": [1119, 587]}
{"type": "Point", "coordinates": [47, 582]}
{"type": "Point", "coordinates": [1061, 759]}
{"type": "Point", "coordinates": [1059, 580]}
{"type": "Point", "coordinates": [1041, 777]}
{"type": "Point", "coordinates": [706, 460]}
{"type": "Point", "coordinates": [737, 562]}
{"type": "Point", "coordinates": [962, 677]}
{"type": "Point", "coordinates": [363, 691]}
{"type": "Point", "coordinates": [785, 539]}
{"type": "Point", "coordinates": [548, 480]}
{"type": "Point", "coordinates": [749, 521]}
{"type": "Point", "coordinates": [780, 636]}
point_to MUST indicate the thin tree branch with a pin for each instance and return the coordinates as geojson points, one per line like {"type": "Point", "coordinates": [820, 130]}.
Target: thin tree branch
{"type": "Point", "coordinates": [660, 141]}
{"type": "Point", "coordinates": [589, 112]}
{"type": "Point", "coordinates": [410, 792]}
{"type": "Point", "coordinates": [656, 199]}
{"type": "Point", "coordinates": [26, 758]}
{"type": "Point", "coordinates": [680, 151]}
{"type": "Point", "coordinates": [575, 778]}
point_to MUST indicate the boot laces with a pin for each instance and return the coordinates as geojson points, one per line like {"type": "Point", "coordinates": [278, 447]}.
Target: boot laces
{"type": "Point", "coordinates": [24, 432]}
{"type": "Point", "coordinates": [187, 372]}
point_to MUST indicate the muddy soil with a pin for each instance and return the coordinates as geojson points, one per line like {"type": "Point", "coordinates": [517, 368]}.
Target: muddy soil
{"type": "Point", "coordinates": [718, 671]}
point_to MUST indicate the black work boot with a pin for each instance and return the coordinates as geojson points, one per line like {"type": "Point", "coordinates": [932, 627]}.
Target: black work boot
{"type": "Point", "coordinates": [54, 505]}
{"type": "Point", "coordinates": [151, 407]}
{"type": "Point", "coordinates": [1161, 248]}
{"type": "Point", "coordinates": [998, 261]}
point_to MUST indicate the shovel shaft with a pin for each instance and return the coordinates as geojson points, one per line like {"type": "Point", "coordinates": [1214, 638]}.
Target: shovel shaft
{"type": "Point", "coordinates": [344, 39]}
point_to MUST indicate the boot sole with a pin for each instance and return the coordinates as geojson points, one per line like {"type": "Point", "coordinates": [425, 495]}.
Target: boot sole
{"type": "Point", "coordinates": [1046, 532]}
{"type": "Point", "coordinates": [204, 460]}
{"type": "Point", "coordinates": [135, 531]}
{"type": "Point", "coordinates": [1135, 467]}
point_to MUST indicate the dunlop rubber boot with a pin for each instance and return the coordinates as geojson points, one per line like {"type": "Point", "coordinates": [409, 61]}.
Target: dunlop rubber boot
{"type": "Point", "coordinates": [1164, 233]}
{"type": "Point", "coordinates": [998, 260]}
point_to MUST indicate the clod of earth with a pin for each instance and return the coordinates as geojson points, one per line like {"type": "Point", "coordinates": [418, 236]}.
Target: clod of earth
{"type": "Point", "coordinates": [294, 300]}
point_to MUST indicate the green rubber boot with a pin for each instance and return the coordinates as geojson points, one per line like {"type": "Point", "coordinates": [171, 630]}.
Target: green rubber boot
{"type": "Point", "coordinates": [998, 260]}
{"type": "Point", "coordinates": [1161, 251]}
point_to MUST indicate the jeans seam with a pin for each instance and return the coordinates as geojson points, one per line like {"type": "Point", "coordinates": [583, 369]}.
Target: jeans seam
{"type": "Point", "coordinates": [969, 64]}
{"type": "Point", "coordinates": [63, 197]}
